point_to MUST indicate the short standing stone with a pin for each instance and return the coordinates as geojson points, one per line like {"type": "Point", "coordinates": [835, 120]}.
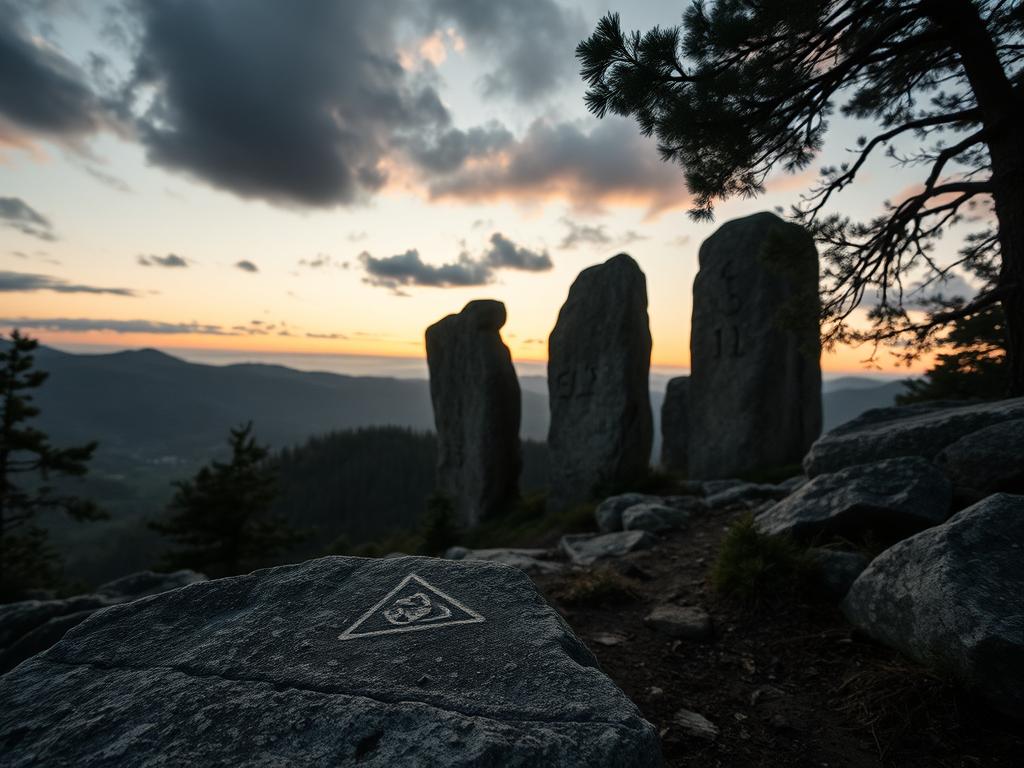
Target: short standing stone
{"type": "Point", "coordinates": [599, 358]}
{"type": "Point", "coordinates": [335, 661]}
{"type": "Point", "coordinates": [674, 430]}
{"type": "Point", "coordinates": [755, 379]}
{"type": "Point", "coordinates": [891, 499]}
{"type": "Point", "coordinates": [914, 430]}
{"type": "Point", "coordinates": [476, 398]}
{"type": "Point", "coordinates": [654, 518]}
{"type": "Point", "coordinates": [588, 548]}
{"type": "Point", "coordinates": [952, 597]}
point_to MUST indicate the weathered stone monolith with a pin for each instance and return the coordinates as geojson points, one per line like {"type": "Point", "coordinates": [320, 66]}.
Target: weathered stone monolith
{"type": "Point", "coordinates": [599, 357]}
{"type": "Point", "coordinates": [675, 434]}
{"type": "Point", "coordinates": [755, 374]}
{"type": "Point", "coordinates": [476, 399]}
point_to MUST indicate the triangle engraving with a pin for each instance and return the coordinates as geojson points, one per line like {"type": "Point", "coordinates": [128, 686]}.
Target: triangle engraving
{"type": "Point", "coordinates": [412, 606]}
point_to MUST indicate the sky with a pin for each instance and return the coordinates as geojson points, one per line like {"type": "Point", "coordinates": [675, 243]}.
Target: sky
{"type": "Point", "coordinates": [255, 178]}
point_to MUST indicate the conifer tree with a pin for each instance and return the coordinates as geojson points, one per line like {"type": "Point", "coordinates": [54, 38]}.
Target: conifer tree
{"type": "Point", "coordinates": [220, 520]}
{"type": "Point", "coordinates": [27, 465]}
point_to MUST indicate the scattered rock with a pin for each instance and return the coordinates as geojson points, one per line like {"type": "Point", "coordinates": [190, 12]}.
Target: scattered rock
{"type": "Point", "coordinates": [31, 626]}
{"type": "Point", "coordinates": [891, 498]}
{"type": "Point", "coordinates": [680, 622]}
{"type": "Point", "coordinates": [654, 517]}
{"type": "Point", "coordinates": [745, 493]}
{"type": "Point", "coordinates": [755, 379]}
{"type": "Point", "coordinates": [713, 487]}
{"type": "Point", "coordinates": [530, 560]}
{"type": "Point", "coordinates": [952, 597]}
{"type": "Point", "coordinates": [456, 553]}
{"type": "Point", "coordinates": [838, 569]}
{"type": "Point", "coordinates": [675, 434]}
{"type": "Point", "coordinates": [252, 670]}
{"type": "Point", "coordinates": [989, 460]}
{"type": "Point", "coordinates": [793, 483]}
{"type": "Point", "coordinates": [476, 399]}
{"type": "Point", "coordinates": [599, 356]}
{"type": "Point", "coordinates": [608, 638]}
{"type": "Point", "coordinates": [609, 512]}
{"type": "Point", "coordinates": [589, 548]}
{"type": "Point", "coordinates": [695, 725]}
{"type": "Point", "coordinates": [922, 430]}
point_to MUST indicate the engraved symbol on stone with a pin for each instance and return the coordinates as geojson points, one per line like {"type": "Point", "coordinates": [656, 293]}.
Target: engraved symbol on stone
{"type": "Point", "coordinates": [733, 302]}
{"type": "Point", "coordinates": [412, 605]}
{"type": "Point", "coordinates": [736, 351]}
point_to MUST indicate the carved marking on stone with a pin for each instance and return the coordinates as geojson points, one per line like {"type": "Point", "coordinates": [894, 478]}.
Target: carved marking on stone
{"type": "Point", "coordinates": [733, 301]}
{"type": "Point", "coordinates": [411, 606]}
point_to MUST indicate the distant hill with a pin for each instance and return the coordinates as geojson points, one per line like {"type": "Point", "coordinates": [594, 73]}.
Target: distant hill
{"type": "Point", "coordinates": [841, 405]}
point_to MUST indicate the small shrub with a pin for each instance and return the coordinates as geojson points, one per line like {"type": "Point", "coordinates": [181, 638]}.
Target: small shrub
{"type": "Point", "coordinates": [755, 568]}
{"type": "Point", "coordinates": [598, 586]}
{"type": "Point", "coordinates": [439, 529]}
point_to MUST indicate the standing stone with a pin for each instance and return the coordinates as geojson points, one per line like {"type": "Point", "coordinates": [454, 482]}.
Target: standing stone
{"type": "Point", "coordinates": [332, 662]}
{"type": "Point", "coordinates": [599, 357]}
{"type": "Point", "coordinates": [476, 399]}
{"type": "Point", "coordinates": [755, 375]}
{"type": "Point", "coordinates": [675, 432]}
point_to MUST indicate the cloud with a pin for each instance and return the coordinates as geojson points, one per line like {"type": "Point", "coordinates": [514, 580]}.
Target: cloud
{"type": "Point", "coordinates": [340, 336]}
{"type": "Point", "coordinates": [610, 163]}
{"type": "Point", "coordinates": [40, 90]}
{"type": "Point", "coordinates": [584, 234]}
{"type": "Point", "coordinates": [449, 150]}
{"type": "Point", "coordinates": [246, 266]}
{"type": "Point", "coordinates": [85, 325]}
{"type": "Point", "coordinates": [504, 254]}
{"type": "Point", "coordinates": [405, 269]}
{"type": "Point", "coordinates": [322, 260]}
{"type": "Point", "coordinates": [295, 105]}
{"type": "Point", "coordinates": [19, 215]}
{"type": "Point", "coordinates": [21, 282]}
{"type": "Point", "coordinates": [532, 42]}
{"type": "Point", "coordinates": [170, 260]}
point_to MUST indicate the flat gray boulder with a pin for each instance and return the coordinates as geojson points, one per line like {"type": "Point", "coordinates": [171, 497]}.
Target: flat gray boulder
{"type": "Point", "coordinates": [589, 548]}
{"type": "Point", "coordinates": [337, 661]}
{"type": "Point", "coordinates": [609, 512]}
{"type": "Point", "coordinates": [908, 431]}
{"type": "Point", "coordinates": [654, 517]}
{"type": "Point", "coordinates": [532, 561]}
{"type": "Point", "coordinates": [989, 460]}
{"type": "Point", "coordinates": [892, 499]}
{"type": "Point", "coordinates": [952, 597]}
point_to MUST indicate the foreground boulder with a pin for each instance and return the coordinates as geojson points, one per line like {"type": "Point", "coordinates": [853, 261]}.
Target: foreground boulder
{"type": "Point", "coordinates": [599, 357]}
{"type": "Point", "coordinates": [476, 399]}
{"type": "Point", "coordinates": [952, 597]}
{"type": "Point", "coordinates": [921, 430]}
{"type": "Point", "coordinates": [890, 499]}
{"type": "Point", "coordinates": [989, 460]}
{"type": "Point", "coordinates": [407, 661]}
{"type": "Point", "coordinates": [754, 399]}
{"type": "Point", "coordinates": [31, 626]}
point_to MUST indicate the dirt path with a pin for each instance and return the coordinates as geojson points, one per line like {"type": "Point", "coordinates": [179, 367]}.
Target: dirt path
{"type": "Point", "coordinates": [792, 686]}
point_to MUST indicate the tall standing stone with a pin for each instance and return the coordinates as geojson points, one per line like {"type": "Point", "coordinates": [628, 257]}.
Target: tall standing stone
{"type": "Point", "coordinates": [755, 377]}
{"type": "Point", "coordinates": [599, 357]}
{"type": "Point", "coordinates": [476, 399]}
{"type": "Point", "coordinates": [675, 433]}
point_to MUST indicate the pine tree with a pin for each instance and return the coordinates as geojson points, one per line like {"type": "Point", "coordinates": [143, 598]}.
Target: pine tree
{"type": "Point", "coordinates": [26, 559]}
{"type": "Point", "coordinates": [220, 520]}
{"type": "Point", "coordinates": [743, 89]}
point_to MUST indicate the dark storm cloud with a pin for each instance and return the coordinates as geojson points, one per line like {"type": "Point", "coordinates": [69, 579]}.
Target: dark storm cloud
{"type": "Point", "coordinates": [22, 282]}
{"type": "Point", "coordinates": [450, 149]}
{"type": "Point", "coordinates": [246, 266]}
{"type": "Point", "coordinates": [40, 90]}
{"type": "Point", "coordinates": [612, 162]}
{"type": "Point", "coordinates": [533, 41]}
{"type": "Point", "coordinates": [170, 260]}
{"type": "Point", "coordinates": [405, 269]}
{"type": "Point", "coordinates": [296, 105]}
{"type": "Point", "coordinates": [504, 254]}
{"type": "Point", "coordinates": [19, 215]}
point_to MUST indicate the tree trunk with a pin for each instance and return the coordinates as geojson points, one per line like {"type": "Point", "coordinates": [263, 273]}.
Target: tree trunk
{"type": "Point", "coordinates": [1002, 108]}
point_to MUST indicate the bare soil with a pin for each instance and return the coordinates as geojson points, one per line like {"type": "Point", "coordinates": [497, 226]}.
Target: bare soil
{"type": "Point", "coordinates": [788, 684]}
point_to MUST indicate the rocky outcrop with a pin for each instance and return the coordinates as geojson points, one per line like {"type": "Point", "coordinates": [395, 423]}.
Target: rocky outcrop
{"type": "Point", "coordinates": [476, 399]}
{"type": "Point", "coordinates": [31, 626]}
{"type": "Point", "coordinates": [952, 597]}
{"type": "Point", "coordinates": [754, 398]}
{"type": "Point", "coordinates": [675, 432]}
{"type": "Point", "coordinates": [921, 430]}
{"type": "Point", "coordinates": [989, 460]}
{"type": "Point", "coordinates": [334, 661]}
{"type": "Point", "coordinates": [599, 356]}
{"type": "Point", "coordinates": [891, 499]}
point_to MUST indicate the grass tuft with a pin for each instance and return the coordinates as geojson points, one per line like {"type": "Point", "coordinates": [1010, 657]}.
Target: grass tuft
{"type": "Point", "coordinates": [596, 586]}
{"type": "Point", "coordinates": [757, 569]}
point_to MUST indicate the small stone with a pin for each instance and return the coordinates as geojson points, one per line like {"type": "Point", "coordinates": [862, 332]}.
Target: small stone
{"type": "Point", "coordinates": [608, 514]}
{"type": "Point", "coordinates": [608, 638]}
{"type": "Point", "coordinates": [680, 622]}
{"type": "Point", "coordinates": [588, 548]}
{"type": "Point", "coordinates": [654, 517]}
{"type": "Point", "coordinates": [695, 725]}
